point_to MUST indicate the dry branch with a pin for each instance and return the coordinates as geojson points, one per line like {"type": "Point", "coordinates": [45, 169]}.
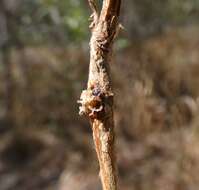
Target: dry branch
{"type": "Point", "coordinates": [97, 100]}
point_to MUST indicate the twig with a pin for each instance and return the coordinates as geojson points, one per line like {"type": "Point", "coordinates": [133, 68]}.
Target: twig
{"type": "Point", "coordinates": [97, 100]}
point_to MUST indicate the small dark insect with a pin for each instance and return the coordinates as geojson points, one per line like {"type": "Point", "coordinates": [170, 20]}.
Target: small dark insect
{"type": "Point", "coordinates": [96, 92]}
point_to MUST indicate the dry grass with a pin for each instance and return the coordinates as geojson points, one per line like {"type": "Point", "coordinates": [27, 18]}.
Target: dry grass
{"type": "Point", "coordinates": [156, 87]}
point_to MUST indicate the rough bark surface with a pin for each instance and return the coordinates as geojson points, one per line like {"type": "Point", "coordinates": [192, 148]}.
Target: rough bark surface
{"type": "Point", "coordinates": [97, 100]}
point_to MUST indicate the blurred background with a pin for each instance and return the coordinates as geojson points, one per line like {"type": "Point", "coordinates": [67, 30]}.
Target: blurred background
{"type": "Point", "coordinates": [44, 57]}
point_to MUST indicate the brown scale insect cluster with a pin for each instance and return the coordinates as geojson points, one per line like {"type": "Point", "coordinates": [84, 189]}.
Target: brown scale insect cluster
{"type": "Point", "coordinates": [91, 101]}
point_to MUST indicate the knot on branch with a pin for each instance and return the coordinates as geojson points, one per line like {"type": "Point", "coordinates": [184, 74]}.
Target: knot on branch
{"type": "Point", "coordinates": [94, 103]}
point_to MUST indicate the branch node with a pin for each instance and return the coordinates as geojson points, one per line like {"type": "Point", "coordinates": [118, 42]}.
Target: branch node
{"type": "Point", "coordinates": [91, 103]}
{"type": "Point", "coordinates": [94, 103]}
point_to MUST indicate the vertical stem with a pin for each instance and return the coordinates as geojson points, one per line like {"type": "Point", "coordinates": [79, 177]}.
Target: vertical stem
{"type": "Point", "coordinates": [11, 22]}
{"type": "Point", "coordinates": [104, 144]}
{"type": "Point", "coordinates": [97, 100]}
{"type": "Point", "coordinates": [9, 87]}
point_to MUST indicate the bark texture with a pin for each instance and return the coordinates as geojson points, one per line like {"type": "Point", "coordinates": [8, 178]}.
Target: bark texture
{"type": "Point", "coordinates": [97, 100]}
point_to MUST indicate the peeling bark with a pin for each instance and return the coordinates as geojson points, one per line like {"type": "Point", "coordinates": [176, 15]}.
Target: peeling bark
{"type": "Point", "coordinates": [97, 100]}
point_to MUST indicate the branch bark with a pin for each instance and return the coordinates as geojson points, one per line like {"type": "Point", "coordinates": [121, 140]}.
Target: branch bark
{"type": "Point", "coordinates": [97, 100]}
